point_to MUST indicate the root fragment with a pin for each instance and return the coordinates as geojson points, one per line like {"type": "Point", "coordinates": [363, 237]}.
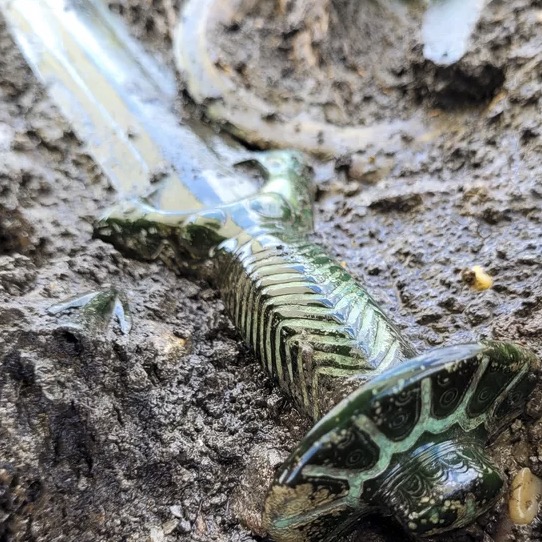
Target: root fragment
{"type": "Point", "coordinates": [248, 116]}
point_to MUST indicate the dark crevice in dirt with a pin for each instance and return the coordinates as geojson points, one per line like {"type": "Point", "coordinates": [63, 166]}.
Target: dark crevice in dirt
{"type": "Point", "coordinates": [455, 87]}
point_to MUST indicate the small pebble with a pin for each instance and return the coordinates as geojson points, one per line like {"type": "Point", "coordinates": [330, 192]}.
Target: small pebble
{"type": "Point", "coordinates": [169, 526]}
{"type": "Point", "coordinates": [176, 510]}
{"type": "Point", "coordinates": [477, 278]}
{"type": "Point", "coordinates": [525, 495]}
{"type": "Point", "coordinates": [156, 535]}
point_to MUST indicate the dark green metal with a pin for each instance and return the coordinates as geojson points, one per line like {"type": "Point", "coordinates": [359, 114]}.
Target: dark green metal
{"type": "Point", "coordinates": [408, 437]}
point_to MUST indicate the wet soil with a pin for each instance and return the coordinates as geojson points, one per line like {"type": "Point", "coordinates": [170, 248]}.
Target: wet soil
{"type": "Point", "coordinates": [148, 436]}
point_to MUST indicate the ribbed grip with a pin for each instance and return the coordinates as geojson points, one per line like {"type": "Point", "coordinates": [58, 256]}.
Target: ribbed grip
{"type": "Point", "coordinates": [317, 331]}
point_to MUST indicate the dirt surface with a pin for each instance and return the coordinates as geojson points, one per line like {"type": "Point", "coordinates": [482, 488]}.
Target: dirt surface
{"type": "Point", "coordinates": [105, 436]}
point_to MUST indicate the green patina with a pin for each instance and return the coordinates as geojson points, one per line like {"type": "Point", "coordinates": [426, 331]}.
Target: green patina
{"type": "Point", "coordinates": [403, 435]}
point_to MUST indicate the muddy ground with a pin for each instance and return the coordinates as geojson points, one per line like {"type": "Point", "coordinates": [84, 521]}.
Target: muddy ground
{"type": "Point", "coordinates": [146, 436]}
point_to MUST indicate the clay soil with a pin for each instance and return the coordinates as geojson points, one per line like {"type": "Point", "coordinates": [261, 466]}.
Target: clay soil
{"type": "Point", "coordinates": [163, 434]}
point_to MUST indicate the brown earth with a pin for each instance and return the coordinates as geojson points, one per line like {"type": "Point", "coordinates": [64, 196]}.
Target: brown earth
{"type": "Point", "coordinates": [146, 436]}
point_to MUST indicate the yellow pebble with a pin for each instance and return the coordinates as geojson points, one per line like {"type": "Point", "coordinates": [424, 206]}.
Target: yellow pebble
{"type": "Point", "coordinates": [525, 495]}
{"type": "Point", "coordinates": [477, 278]}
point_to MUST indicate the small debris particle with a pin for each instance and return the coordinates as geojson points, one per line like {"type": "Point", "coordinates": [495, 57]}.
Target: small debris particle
{"type": "Point", "coordinates": [477, 278]}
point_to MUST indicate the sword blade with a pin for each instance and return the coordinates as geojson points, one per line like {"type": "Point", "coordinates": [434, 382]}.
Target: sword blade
{"type": "Point", "coordinates": [119, 101]}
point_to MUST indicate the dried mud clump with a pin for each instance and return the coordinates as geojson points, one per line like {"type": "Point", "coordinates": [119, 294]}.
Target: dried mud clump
{"type": "Point", "coordinates": [15, 233]}
{"type": "Point", "coordinates": [18, 497]}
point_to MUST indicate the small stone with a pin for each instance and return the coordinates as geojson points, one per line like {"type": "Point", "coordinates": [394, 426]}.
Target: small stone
{"type": "Point", "coordinates": [156, 535]}
{"type": "Point", "coordinates": [169, 526]}
{"type": "Point", "coordinates": [184, 526]}
{"type": "Point", "coordinates": [176, 510]}
{"type": "Point", "coordinates": [525, 495]}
